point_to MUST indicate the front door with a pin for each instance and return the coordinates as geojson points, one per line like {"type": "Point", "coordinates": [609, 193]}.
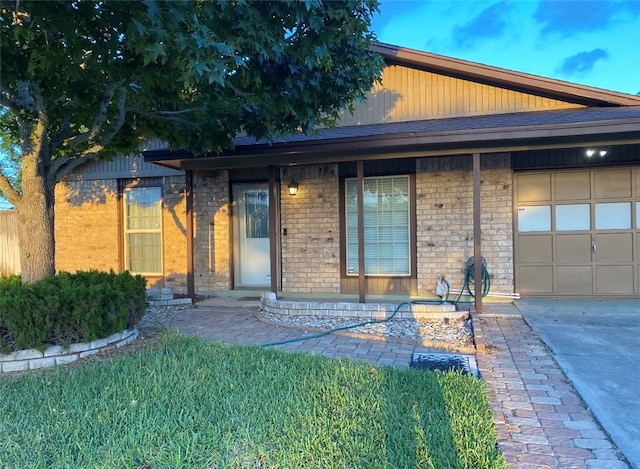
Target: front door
{"type": "Point", "coordinates": [252, 259]}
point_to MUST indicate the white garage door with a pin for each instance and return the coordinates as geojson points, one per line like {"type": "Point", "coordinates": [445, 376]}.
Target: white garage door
{"type": "Point", "coordinates": [577, 232]}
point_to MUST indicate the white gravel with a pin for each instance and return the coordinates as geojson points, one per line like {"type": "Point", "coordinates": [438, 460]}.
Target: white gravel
{"type": "Point", "coordinates": [454, 332]}
{"type": "Point", "coordinates": [157, 318]}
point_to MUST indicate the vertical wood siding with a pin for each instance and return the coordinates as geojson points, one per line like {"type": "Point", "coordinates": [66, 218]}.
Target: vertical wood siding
{"type": "Point", "coordinates": [409, 94]}
{"type": "Point", "coordinates": [9, 248]}
{"type": "Point", "coordinates": [120, 167]}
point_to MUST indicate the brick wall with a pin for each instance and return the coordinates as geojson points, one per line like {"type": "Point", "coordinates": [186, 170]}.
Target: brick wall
{"type": "Point", "coordinates": [444, 215]}
{"type": "Point", "coordinates": [174, 235]}
{"type": "Point", "coordinates": [88, 229]}
{"type": "Point", "coordinates": [212, 232]}
{"type": "Point", "coordinates": [311, 248]}
{"type": "Point", "coordinates": [497, 227]}
{"type": "Point", "coordinates": [87, 225]}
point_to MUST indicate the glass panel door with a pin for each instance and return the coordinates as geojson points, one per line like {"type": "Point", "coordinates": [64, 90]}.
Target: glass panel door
{"type": "Point", "coordinates": [252, 258]}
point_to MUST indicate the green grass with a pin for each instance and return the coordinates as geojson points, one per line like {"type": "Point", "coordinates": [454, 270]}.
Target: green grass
{"type": "Point", "coordinates": [185, 402]}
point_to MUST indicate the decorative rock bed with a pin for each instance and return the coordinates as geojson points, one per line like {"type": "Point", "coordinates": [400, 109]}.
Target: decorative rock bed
{"type": "Point", "coordinates": [32, 359]}
{"type": "Point", "coordinates": [434, 325]}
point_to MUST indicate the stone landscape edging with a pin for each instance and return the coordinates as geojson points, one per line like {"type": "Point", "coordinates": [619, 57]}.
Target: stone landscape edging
{"type": "Point", "coordinates": [32, 359]}
{"type": "Point", "coordinates": [343, 309]}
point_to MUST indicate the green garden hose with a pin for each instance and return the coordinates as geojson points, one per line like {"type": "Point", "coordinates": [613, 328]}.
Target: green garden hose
{"type": "Point", "coordinates": [469, 286]}
{"type": "Point", "coordinates": [342, 328]}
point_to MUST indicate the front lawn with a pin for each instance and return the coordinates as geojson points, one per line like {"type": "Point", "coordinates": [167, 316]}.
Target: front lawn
{"type": "Point", "coordinates": [185, 402]}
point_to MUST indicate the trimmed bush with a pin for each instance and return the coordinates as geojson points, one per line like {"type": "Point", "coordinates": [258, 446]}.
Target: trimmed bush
{"type": "Point", "coordinates": [68, 308]}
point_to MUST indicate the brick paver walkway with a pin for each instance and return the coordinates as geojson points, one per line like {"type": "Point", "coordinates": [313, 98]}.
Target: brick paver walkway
{"type": "Point", "coordinates": [541, 421]}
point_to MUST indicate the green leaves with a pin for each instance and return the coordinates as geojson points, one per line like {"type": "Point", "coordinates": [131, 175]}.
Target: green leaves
{"type": "Point", "coordinates": [203, 71]}
{"type": "Point", "coordinates": [69, 308]}
{"type": "Point", "coordinates": [289, 63]}
{"type": "Point", "coordinates": [155, 53]}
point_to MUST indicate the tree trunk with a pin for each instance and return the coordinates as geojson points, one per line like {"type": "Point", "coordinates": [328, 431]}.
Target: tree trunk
{"type": "Point", "coordinates": [36, 237]}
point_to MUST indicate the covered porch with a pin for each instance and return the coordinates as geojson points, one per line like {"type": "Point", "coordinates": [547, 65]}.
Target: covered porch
{"type": "Point", "coordinates": [426, 152]}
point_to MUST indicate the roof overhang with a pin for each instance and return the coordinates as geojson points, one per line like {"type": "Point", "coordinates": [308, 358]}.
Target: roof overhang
{"type": "Point", "coordinates": [483, 134]}
{"type": "Point", "coordinates": [508, 79]}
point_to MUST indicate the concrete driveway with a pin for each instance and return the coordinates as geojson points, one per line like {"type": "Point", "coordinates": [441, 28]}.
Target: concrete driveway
{"type": "Point", "coordinates": [597, 345]}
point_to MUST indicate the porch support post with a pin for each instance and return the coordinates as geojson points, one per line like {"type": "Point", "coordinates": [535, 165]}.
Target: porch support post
{"type": "Point", "coordinates": [191, 288]}
{"type": "Point", "coordinates": [273, 228]}
{"type": "Point", "coordinates": [360, 196]}
{"type": "Point", "coordinates": [477, 234]}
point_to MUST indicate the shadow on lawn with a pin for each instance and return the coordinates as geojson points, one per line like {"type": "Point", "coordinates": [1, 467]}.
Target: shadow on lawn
{"type": "Point", "coordinates": [427, 433]}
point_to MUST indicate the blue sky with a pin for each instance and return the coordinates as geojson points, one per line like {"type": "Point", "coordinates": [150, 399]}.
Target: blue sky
{"type": "Point", "coordinates": [591, 42]}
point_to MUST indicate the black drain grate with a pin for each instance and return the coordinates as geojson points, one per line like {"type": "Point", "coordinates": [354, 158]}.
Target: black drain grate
{"type": "Point", "coordinates": [445, 362]}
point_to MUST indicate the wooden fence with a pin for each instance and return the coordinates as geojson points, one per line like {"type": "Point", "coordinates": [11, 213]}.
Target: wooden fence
{"type": "Point", "coordinates": [9, 249]}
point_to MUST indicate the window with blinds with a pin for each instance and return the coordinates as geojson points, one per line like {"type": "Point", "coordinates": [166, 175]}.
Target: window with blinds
{"type": "Point", "coordinates": [143, 230]}
{"type": "Point", "coordinates": [386, 226]}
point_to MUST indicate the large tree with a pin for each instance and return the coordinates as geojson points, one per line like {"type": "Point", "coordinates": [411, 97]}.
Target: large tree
{"type": "Point", "coordinates": [83, 80]}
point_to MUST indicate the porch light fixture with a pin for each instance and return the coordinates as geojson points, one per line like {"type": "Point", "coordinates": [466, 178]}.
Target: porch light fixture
{"type": "Point", "coordinates": [594, 151]}
{"type": "Point", "coordinates": [293, 187]}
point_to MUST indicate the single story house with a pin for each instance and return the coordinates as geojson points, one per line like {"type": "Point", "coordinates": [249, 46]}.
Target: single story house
{"type": "Point", "coordinates": [444, 149]}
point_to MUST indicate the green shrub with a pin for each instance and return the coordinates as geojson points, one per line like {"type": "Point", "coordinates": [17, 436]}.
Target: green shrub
{"type": "Point", "coordinates": [68, 308]}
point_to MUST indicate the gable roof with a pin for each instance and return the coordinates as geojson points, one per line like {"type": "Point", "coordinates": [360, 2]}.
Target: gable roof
{"type": "Point", "coordinates": [609, 117]}
{"type": "Point", "coordinates": [508, 79]}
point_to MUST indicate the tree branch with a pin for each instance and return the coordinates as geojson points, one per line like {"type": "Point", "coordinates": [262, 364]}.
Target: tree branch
{"type": "Point", "coordinates": [117, 125]}
{"type": "Point", "coordinates": [24, 100]}
{"type": "Point", "coordinates": [7, 189]}
{"type": "Point", "coordinates": [98, 121]}
{"type": "Point", "coordinates": [61, 167]}
{"type": "Point", "coordinates": [32, 129]}
{"type": "Point", "coordinates": [166, 116]}
{"type": "Point", "coordinates": [8, 99]}
{"type": "Point", "coordinates": [62, 133]}
{"type": "Point", "coordinates": [166, 113]}
{"type": "Point", "coordinates": [41, 128]}
{"type": "Point", "coordinates": [24, 130]}
{"type": "Point", "coordinates": [67, 165]}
